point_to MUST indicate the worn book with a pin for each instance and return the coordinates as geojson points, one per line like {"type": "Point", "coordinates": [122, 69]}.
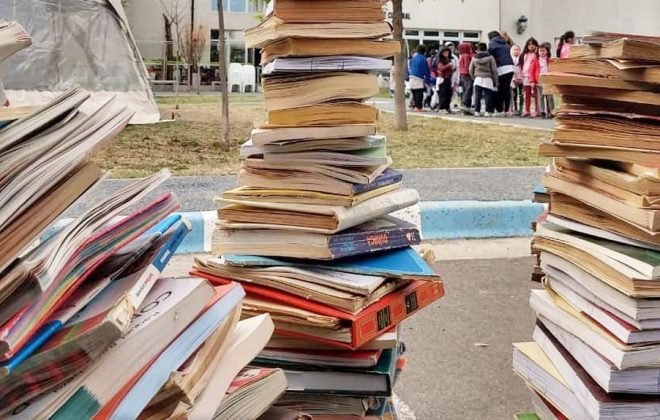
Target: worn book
{"type": "Point", "coordinates": [277, 136]}
{"type": "Point", "coordinates": [251, 392]}
{"type": "Point", "coordinates": [302, 90]}
{"type": "Point", "coordinates": [386, 341]}
{"type": "Point", "coordinates": [596, 89]}
{"type": "Point", "coordinates": [361, 359]}
{"type": "Point", "coordinates": [317, 47]}
{"type": "Point", "coordinates": [13, 38]}
{"type": "Point", "coordinates": [299, 317]}
{"type": "Point", "coordinates": [626, 48]}
{"type": "Point", "coordinates": [326, 11]}
{"type": "Point", "coordinates": [304, 197]}
{"type": "Point", "coordinates": [373, 236]}
{"type": "Point", "coordinates": [306, 145]}
{"type": "Point", "coordinates": [9, 114]}
{"type": "Point", "coordinates": [244, 214]}
{"type": "Point", "coordinates": [554, 79]}
{"type": "Point", "coordinates": [639, 72]}
{"type": "Point", "coordinates": [335, 63]}
{"type": "Point", "coordinates": [336, 113]}
{"type": "Point", "coordinates": [320, 178]}
{"type": "Point", "coordinates": [357, 154]}
{"type": "Point", "coordinates": [569, 150]}
{"type": "Point", "coordinates": [274, 29]}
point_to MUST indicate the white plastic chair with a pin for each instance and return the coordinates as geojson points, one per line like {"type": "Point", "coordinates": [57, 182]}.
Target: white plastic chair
{"type": "Point", "coordinates": [235, 77]}
{"type": "Point", "coordinates": [248, 78]}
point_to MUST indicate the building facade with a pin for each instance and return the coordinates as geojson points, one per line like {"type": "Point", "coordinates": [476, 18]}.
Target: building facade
{"type": "Point", "coordinates": [431, 22]}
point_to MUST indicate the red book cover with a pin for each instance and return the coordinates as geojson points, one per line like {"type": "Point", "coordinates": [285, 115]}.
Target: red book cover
{"type": "Point", "coordinates": [371, 322]}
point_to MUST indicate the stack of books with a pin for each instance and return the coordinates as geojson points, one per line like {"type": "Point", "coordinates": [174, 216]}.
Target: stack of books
{"type": "Point", "coordinates": [87, 327]}
{"type": "Point", "coordinates": [308, 234]}
{"type": "Point", "coordinates": [596, 349]}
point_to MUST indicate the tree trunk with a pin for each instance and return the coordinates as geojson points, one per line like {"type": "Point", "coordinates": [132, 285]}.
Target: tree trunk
{"type": "Point", "coordinates": [224, 84]}
{"type": "Point", "coordinates": [400, 116]}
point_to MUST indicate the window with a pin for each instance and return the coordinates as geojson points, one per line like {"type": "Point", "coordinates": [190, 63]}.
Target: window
{"type": "Point", "coordinates": [431, 34]}
{"type": "Point", "coordinates": [411, 33]}
{"type": "Point", "coordinates": [451, 34]}
{"type": "Point", "coordinates": [237, 6]}
{"type": "Point", "coordinates": [471, 35]}
{"type": "Point", "coordinates": [236, 53]}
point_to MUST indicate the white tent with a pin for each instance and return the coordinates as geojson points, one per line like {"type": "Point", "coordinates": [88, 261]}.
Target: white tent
{"type": "Point", "coordinates": [87, 43]}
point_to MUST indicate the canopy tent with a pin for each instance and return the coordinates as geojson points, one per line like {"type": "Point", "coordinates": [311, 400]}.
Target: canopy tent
{"type": "Point", "coordinates": [87, 43]}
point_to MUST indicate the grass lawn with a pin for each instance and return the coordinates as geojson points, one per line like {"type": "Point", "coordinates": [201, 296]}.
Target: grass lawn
{"type": "Point", "coordinates": [190, 145]}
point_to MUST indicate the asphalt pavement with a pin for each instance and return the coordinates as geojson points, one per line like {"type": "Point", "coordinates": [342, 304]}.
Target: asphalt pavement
{"type": "Point", "coordinates": [196, 193]}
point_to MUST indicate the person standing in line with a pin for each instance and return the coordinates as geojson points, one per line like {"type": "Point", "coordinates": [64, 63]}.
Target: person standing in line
{"type": "Point", "coordinates": [483, 70]}
{"type": "Point", "coordinates": [507, 38]}
{"type": "Point", "coordinates": [529, 64]}
{"type": "Point", "coordinates": [516, 84]}
{"type": "Point", "coordinates": [547, 102]}
{"type": "Point", "coordinates": [464, 60]}
{"type": "Point", "coordinates": [500, 51]}
{"type": "Point", "coordinates": [419, 75]}
{"type": "Point", "coordinates": [455, 78]}
{"type": "Point", "coordinates": [566, 41]}
{"type": "Point", "coordinates": [445, 70]}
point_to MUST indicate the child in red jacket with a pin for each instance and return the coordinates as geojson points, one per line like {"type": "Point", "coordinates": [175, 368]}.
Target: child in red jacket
{"type": "Point", "coordinates": [530, 69]}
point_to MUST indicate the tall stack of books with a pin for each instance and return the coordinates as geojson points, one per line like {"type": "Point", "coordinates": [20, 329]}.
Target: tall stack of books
{"type": "Point", "coordinates": [87, 327]}
{"type": "Point", "coordinates": [308, 232]}
{"type": "Point", "coordinates": [596, 349]}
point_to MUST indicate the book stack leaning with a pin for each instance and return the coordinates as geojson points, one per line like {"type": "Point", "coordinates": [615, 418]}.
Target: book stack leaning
{"type": "Point", "coordinates": [308, 232]}
{"type": "Point", "coordinates": [88, 329]}
{"type": "Point", "coordinates": [596, 349]}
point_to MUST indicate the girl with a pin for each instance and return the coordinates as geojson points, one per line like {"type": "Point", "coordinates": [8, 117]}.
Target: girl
{"type": "Point", "coordinates": [547, 101]}
{"type": "Point", "coordinates": [516, 84]}
{"type": "Point", "coordinates": [529, 66]}
{"type": "Point", "coordinates": [445, 69]}
{"type": "Point", "coordinates": [565, 43]}
{"type": "Point", "coordinates": [483, 70]}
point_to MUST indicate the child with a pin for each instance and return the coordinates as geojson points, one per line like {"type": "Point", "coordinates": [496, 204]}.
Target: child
{"type": "Point", "coordinates": [529, 65]}
{"type": "Point", "coordinates": [516, 83]}
{"type": "Point", "coordinates": [464, 60]}
{"type": "Point", "coordinates": [445, 70]}
{"type": "Point", "coordinates": [483, 70]}
{"type": "Point", "coordinates": [566, 41]}
{"type": "Point", "coordinates": [547, 101]}
{"type": "Point", "coordinates": [419, 75]}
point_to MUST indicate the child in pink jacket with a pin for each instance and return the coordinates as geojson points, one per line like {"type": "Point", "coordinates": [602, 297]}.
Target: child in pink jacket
{"type": "Point", "coordinates": [529, 65]}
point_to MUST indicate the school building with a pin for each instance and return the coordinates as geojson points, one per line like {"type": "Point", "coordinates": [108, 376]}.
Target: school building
{"type": "Point", "coordinates": [425, 21]}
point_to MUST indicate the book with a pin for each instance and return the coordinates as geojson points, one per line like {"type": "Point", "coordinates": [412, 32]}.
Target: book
{"type": "Point", "coordinates": [243, 214]}
{"type": "Point", "coordinates": [569, 211]}
{"type": "Point", "coordinates": [319, 321]}
{"type": "Point", "coordinates": [640, 72]}
{"type": "Point", "coordinates": [100, 323]}
{"type": "Point", "coordinates": [333, 144]}
{"type": "Point", "coordinates": [368, 157]}
{"type": "Point", "coordinates": [622, 48]}
{"type": "Point", "coordinates": [304, 197]}
{"type": "Point", "coordinates": [9, 114]}
{"type": "Point", "coordinates": [605, 106]}
{"type": "Point", "coordinates": [316, 47]}
{"type": "Point", "coordinates": [566, 150]}
{"type": "Point", "coordinates": [596, 89]}
{"type": "Point", "coordinates": [336, 113]}
{"type": "Point", "coordinates": [326, 11]}
{"type": "Point", "coordinates": [13, 38]}
{"type": "Point", "coordinates": [387, 340]}
{"type": "Point", "coordinates": [304, 378]}
{"type": "Point", "coordinates": [318, 182]}
{"type": "Point", "coordinates": [337, 358]}
{"type": "Point", "coordinates": [250, 338]}
{"type": "Point", "coordinates": [376, 235]}
{"type": "Point", "coordinates": [301, 90]}
{"type": "Point", "coordinates": [263, 137]}
{"type": "Point", "coordinates": [274, 29]}
{"type": "Point", "coordinates": [644, 219]}
{"type": "Point", "coordinates": [170, 306]}
{"type": "Point", "coordinates": [251, 393]}
{"type": "Point", "coordinates": [402, 263]}
{"type": "Point", "coordinates": [178, 351]}
{"type": "Point", "coordinates": [320, 405]}
{"type": "Point", "coordinates": [332, 288]}
{"type": "Point", "coordinates": [334, 63]}
{"type": "Point", "coordinates": [260, 173]}
{"type": "Point", "coordinates": [554, 79]}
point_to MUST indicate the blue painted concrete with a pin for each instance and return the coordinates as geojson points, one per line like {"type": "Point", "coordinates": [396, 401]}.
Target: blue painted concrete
{"type": "Point", "coordinates": [478, 219]}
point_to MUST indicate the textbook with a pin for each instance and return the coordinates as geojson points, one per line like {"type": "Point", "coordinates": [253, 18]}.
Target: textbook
{"type": "Point", "coordinates": [302, 179]}
{"type": "Point", "coordinates": [314, 321]}
{"type": "Point", "coordinates": [318, 47]}
{"type": "Point", "coordinates": [274, 29]}
{"type": "Point", "coordinates": [326, 11]}
{"type": "Point", "coordinates": [373, 236]}
{"type": "Point", "coordinates": [326, 64]}
{"type": "Point", "coordinates": [242, 214]}
{"type": "Point", "coordinates": [293, 91]}
{"type": "Point", "coordinates": [335, 113]}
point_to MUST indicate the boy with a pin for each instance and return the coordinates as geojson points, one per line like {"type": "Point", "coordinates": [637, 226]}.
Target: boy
{"type": "Point", "coordinates": [483, 70]}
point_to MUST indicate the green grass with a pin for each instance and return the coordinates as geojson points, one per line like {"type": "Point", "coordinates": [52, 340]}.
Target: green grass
{"type": "Point", "coordinates": [190, 145]}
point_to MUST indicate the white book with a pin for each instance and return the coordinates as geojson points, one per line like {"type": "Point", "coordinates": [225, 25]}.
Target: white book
{"type": "Point", "coordinates": [264, 136]}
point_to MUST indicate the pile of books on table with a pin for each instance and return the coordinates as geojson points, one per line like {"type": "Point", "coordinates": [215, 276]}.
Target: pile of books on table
{"type": "Point", "coordinates": [596, 349]}
{"type": "Point", "coordinates": [87, 327]}
{"type": "Point", "coordinates": [308, 232]}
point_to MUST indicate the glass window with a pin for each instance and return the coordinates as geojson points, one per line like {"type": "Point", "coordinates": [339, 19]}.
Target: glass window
{"type": "Point", "coordinates": [451, 34]}
{"type": "Point", "coordinates": [412, 33]}
{"type": "Point", "coordinates": [254, 5]}
{"type": "Point", "coordinates": [237, 53]}
{"type": "Point", "coordinates": [431, 34]}
{"type": "Point", "coordinates": [237, 5]}
{"type": "Point", "coordinates": [472, 35]}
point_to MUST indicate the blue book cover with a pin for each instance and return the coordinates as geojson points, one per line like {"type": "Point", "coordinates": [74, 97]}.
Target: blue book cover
{"type": "Point", "coordinates": [402, 263]}
{"type": "Point", "coordinates": [388, 177]}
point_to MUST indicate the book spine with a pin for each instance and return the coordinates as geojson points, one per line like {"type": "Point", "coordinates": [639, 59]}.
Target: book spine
{"type": "Point", "coordinates": [379, 182]}
{"type": "Point", "coordinates": [393, 309]}
{"type": "Point", "coordinates": [349, 244]}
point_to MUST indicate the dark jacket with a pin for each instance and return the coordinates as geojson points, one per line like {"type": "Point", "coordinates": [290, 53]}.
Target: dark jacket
{"type": "Point", "coordinates": [419, 67]}
{"type": "Point", "coordinates": [483, 65]}
{"type": "Point", "coordinates": [500, 50]}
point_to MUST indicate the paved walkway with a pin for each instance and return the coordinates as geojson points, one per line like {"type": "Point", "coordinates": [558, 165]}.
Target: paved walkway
{"type": "Point", "coordinates": [387, 105]}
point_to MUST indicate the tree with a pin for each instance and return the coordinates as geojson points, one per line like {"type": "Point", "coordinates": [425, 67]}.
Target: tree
{"type": "Point", "coordinates": [193, 48]}
{"type": "Point", "coordinates": [400, 115]}
{"type": "Point", "coordinates": [224, 88]}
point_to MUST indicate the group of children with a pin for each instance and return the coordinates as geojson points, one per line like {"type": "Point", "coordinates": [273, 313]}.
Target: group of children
{"type": "Point", "coordinates": [502, 73]}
